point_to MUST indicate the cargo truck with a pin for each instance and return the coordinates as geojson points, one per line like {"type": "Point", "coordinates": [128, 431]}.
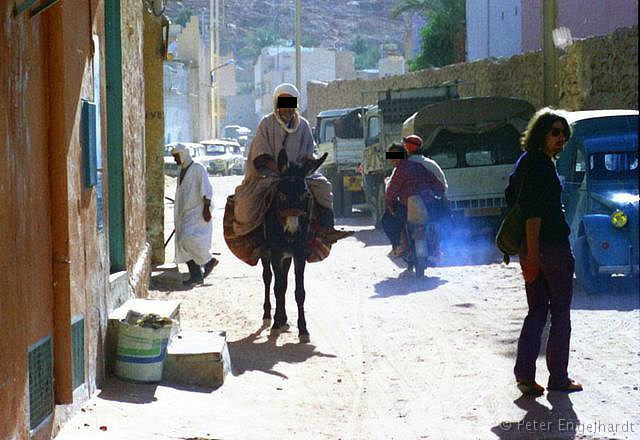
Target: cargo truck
{"type": "Point", "coordinates": [339, 134]}
{"type": "Point", "coordinates": [476, 142]}
{"type": "Point", "coordinates": [382, 126]}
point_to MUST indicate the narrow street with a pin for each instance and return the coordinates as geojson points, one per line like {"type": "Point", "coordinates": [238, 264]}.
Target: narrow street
{"type": "Point", "coordinates": [389, 358]}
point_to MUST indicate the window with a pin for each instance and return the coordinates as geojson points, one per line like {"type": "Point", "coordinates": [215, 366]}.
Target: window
{"type": "Point", "coordinates": [215, 150]}
{"type": "Point", "coordinates": [614, 165]}
{"type": "Point", "coordinates": [374, 127]}
{"type": "Point", "coordinates": [581, 163]}
{"type": "Point", "coordinates": [446, 159]}
{"type": "Point", "coordinates": [479, 155]}
{"type": "Point", "coordinates": [327, 130]}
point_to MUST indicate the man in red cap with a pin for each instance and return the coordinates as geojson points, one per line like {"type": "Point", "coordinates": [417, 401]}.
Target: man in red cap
{"type": "Point", "coordinates": [438, 206]}
{"type": "Point", "coordinates": [413, 145]}
{"type": "Point", "coordinates": [407, 179]}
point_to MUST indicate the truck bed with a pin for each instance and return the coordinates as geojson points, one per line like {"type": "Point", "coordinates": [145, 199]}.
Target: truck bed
{"type": "Point", "coordinates": [345, 153]}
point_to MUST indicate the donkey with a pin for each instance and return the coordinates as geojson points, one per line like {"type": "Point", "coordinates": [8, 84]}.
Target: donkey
{"type": "Point", "coordinates": [286, 231]}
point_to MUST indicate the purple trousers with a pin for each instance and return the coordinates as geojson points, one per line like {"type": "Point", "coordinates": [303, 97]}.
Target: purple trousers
{"type": "Point", "coordinates": [551, 291]}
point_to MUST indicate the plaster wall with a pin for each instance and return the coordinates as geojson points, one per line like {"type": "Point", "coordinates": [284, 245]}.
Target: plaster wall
{"type": "Point", "coordinates": [494, 28]}
{"type": "Point", "coordinates": [54, 261]}
{"type": "Point", "coordinates": [24, 205]}
{"type": "Point", "coordinates": [137, 251]}
{"type": "Point", "coordinates": [583, 18]}
{"type": "Point", "coordinates": [154, 134]}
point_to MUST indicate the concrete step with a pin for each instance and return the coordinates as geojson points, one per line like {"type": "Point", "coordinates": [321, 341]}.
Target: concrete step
{"type": "Point", "coordinates": [197, 357]}
{"type": "Point", "coordinates": [165, 308]}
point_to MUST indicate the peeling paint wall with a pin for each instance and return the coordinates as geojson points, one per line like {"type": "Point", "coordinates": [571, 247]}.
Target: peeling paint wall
{"type": "Point", "coordinates": [53, 266]}
{"type": "Point", "coordinates": [138, 257]}
{"type": "Point", "coordinates": [600, 72]}
{"type": "Point", "coordinates": [154, 134]}
{"type": "Point", "coordinates": [26, 297]}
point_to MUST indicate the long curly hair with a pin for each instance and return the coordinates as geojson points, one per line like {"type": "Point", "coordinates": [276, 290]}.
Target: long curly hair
{"type": "Point", "coordinates": [538, 127]}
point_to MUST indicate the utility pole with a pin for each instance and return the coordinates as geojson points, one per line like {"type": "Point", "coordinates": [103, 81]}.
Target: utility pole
{"type": "Point", "coordinates": [298, 47]}
{"type": "Point", "coordinates": [211, 65]}
{"type": "Point", "coordinates": [549, 52]}
{"type": "Point", "coordinates": [216, 88]}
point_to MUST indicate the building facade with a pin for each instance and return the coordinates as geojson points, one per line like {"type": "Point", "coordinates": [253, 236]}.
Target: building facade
{"type": "Point", "coordinates": [277, 64]}
{"type": "Point", "coordinates": [72, 217]}
{"type": "Point", "coordinates": [502, 28]}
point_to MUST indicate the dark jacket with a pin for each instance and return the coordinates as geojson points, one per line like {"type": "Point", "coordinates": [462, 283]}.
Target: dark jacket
{"type": "Point", "coordinates": [540, 195]}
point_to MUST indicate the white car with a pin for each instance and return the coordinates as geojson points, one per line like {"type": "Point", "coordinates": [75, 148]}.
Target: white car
{"type": "Point", "coordinates": [197, 151]}
{"type": "Point", "coordinates": [225, 156]}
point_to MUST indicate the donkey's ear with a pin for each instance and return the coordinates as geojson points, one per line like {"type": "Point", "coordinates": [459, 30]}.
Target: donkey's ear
{"type": "Point", "coordinates": [283, 161]}
{"type": "Point", "coordinates": [310, 166]}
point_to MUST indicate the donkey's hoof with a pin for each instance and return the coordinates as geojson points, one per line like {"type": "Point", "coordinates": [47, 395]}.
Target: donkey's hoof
{"type": "Point", "coordinates": [266, 322]}
{"type": "Point", "coordinates": [304, 338]}
{"type": "Point", "coordinates": [279, 329]}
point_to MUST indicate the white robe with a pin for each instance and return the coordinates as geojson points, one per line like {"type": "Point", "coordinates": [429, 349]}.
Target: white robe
{"type": "Point", "coordinates": [193, 234]}
{"type": "Point", "coordinates": [431, 166]}
{"type": "Point", "coordinates": [251, 201]}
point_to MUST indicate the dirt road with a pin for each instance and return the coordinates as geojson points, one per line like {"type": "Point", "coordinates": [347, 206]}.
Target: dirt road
{"type": "Point", "coordinates": [389, 358]}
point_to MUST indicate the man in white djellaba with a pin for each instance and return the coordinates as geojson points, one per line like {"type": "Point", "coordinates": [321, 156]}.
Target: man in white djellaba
{"type": "Point", "coordinates": [286, 129]}
{"type": "Point", "coordinates": [192, 217]}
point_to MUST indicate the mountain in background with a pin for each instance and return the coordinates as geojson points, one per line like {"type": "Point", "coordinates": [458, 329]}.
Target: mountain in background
{"type": "Point", "coordinates": [248, 25]}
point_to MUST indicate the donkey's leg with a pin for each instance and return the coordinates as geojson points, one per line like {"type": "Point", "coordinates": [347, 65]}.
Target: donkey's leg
{"type": "Point", "coordinates": [299, 265]}
{"type": "Point", "coordinates": [266, 278]}
{"type": "Point", "coordinates": [280, 270]}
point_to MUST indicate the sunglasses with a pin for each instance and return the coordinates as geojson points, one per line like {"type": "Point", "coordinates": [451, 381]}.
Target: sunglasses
{"type": "Point", "coordinates": [555, 132]}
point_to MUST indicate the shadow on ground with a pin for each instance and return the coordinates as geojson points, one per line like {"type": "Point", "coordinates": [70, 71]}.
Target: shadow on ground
{"type": "Point", "coordinates": [169, 279]}
{"type": "Point", "coordinates": [406, 286]}
{"type": "Point", "coordinates": [131, 392]}
{"type": "Point", "coordinates": [622, 294]}
{"type": "Point", "coordinates": [541, 422]}
{"type": "Point", "coordinates": [247, 354]}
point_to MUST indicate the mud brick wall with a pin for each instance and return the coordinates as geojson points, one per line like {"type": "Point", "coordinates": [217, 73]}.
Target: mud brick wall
{"type": "Point", "coordinates": [599, 72]}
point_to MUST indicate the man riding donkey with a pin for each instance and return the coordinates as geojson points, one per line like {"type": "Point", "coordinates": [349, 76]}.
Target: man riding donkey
{"type": "Point", "coordinates": [283, 129]}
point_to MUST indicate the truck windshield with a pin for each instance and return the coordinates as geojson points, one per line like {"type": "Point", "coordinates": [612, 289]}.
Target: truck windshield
{"type": "Point", "coordinates": [327, 130]}
{"type": "Point", "coordinates": [461, 150]}
{"type": "Point", "coordinates": [215, 150]}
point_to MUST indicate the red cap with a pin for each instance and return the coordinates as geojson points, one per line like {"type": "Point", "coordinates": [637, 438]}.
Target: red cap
{"type": "Point", "coordinates": [412, 143]}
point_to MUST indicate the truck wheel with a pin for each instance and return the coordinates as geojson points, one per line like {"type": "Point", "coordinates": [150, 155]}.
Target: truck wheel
{"type": "Point", "coordinates": [346, 203]}
{"type": "Point", "coordinates": [337, 196]}
{"type": "Point", "coordinates": [379, 208]}
{"type": "Point", "coordinates": [587, 276]}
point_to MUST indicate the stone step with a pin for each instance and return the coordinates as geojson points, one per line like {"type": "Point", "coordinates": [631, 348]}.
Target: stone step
{"type": "Point", "coordinates": [197, 357]}
{"type": "Point", "coordinates": [164, 308]}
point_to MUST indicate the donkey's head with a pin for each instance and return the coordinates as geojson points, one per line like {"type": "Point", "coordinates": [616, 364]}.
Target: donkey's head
{"type": "Point", "coordinates": [292, 202]}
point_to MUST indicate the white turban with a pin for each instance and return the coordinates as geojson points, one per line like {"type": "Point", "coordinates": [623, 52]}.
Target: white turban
{"type": "Point", "coordinates": [183, 152]}
{"type": "Point", "coordinates": [286, 89]}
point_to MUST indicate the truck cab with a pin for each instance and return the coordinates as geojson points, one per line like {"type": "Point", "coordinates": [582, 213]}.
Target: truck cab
{"type": "Point", "coordinates": [339, 134]}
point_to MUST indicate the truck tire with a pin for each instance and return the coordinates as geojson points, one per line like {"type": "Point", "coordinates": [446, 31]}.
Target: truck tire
{"type": "Point", "coordinates": [337, 196]}
{"type": "Point", "coordinates": [346, 202]}
{"type": "Point", "coordinates": [591, 282]}
{"type": "Point", "coordinates": [379, 207]}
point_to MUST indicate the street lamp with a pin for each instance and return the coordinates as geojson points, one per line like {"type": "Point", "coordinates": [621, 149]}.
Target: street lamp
{"type": "Point", "coordinates": [226, 63]}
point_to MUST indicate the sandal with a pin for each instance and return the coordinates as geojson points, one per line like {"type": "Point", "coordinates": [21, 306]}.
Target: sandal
{"type": "Point", "coordinates": [570, 387]}
{"type": "Point", "coordinates": [530, 388]}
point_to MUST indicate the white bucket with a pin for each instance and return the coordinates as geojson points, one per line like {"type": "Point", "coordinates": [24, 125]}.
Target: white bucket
{"type": "Point", "coordinates": [141, 352]}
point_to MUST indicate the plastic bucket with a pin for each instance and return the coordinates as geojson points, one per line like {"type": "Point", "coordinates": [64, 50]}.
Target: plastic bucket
{"type": "Point", "coordinates": [141, 352]}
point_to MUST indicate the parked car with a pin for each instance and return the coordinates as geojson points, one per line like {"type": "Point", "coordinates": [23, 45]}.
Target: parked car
{"type": "Point", "coordinates": [225, 156]}
{"type": "Point", "coordinates": [196, 150]}
{"type": "Point", "coordinates": [599, 171]}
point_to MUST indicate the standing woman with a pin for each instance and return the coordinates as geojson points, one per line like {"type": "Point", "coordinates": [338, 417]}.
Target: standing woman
{"type": "Point", "coordinates": [545, 256]}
